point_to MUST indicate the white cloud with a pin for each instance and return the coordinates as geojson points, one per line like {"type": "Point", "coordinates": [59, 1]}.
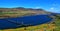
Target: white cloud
{"type": "Point", "coordinates": [52, 8]}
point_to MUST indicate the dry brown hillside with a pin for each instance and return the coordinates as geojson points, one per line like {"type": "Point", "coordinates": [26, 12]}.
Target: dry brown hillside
{"type": "Point", "coordinates": [15, 12]}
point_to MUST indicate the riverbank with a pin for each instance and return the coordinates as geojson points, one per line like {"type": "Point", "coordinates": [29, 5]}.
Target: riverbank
{"type": "Point", "coordinates": [34, 28]}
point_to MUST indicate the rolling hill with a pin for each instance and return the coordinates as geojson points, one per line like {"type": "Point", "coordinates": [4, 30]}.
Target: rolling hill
{"type": "Point", "coordinates": [20, 11]}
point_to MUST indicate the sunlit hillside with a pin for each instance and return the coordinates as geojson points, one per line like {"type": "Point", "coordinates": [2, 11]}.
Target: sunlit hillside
{"type": "Point", "coordinates": [19, 12]}
{"type": "Point", "coordinates": [16, 12]}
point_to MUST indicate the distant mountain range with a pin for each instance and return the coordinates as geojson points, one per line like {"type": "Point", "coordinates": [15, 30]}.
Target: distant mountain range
{"type": "Point", "coordinates": [21, 11]}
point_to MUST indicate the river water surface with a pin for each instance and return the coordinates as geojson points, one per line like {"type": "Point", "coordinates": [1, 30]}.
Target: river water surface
{"type": "Point", "coordinates": [33, 20]}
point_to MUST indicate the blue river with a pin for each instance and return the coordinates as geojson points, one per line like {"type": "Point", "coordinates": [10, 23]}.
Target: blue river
{"type": "Point", "coordinates": [32, 20]}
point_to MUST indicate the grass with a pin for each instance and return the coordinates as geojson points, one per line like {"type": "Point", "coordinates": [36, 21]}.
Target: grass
{"type": "Point", "coordinates": [34, 28]}
{"type": "Point", "coordinates": [47, 27]}
{"type": "Point", "coordinates": [16, 14]}
{"type": "Point", "coordinates": [57, 25]}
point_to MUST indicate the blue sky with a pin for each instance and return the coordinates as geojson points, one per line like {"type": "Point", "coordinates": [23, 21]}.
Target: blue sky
{"type": "Point", "coordinates": [48, 5]}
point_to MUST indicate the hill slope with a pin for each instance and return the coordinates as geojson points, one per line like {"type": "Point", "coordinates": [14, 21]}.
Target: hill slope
{"type": "Point", "coordinates": [20, 11]}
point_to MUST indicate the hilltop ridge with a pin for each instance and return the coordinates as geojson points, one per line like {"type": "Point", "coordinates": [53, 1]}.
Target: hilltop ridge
{"type": "Point", "coordinates": [21, 11]}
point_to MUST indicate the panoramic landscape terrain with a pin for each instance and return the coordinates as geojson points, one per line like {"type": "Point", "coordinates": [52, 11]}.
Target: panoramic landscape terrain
{"type": "Point", "coordinates": [29, 15]}
{"type": "Point", "coordinates": [28, 19]}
